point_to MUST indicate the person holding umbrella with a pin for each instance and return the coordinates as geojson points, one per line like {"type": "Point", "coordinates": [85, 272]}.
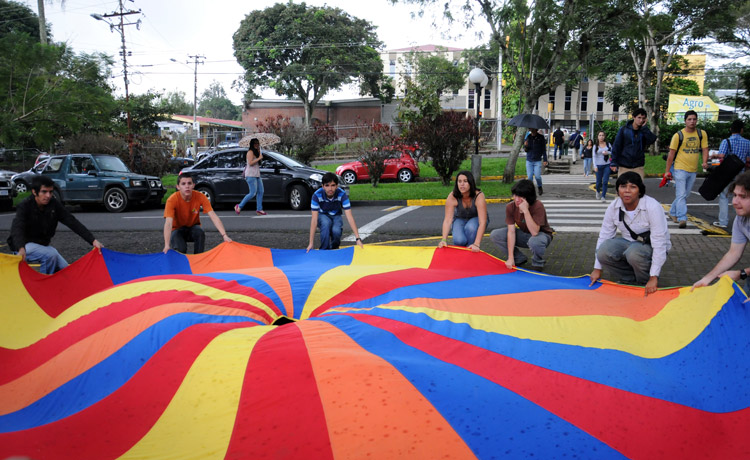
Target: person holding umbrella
{"type": "Point", "coordinates": [535, 146]}
{"type": "Point", "coordinates": [251, 173]}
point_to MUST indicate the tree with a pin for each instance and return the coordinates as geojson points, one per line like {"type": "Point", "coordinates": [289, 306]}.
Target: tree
{"type": "Point", "coordinates": [47, 91]}
{"type": "Point", "coordinates": [447, 138]}
{"type": "Point", "coordinates": [144, 113]}
{"type": "Point", "coordinates": [305, 51]}
{"type": "Point", "coordinates": [175, 102]}
{"type": "Point", "coordinates": [297, 141]}
{"type": "Point", "coordinates": [215, 103]}
{"type": "Point", "coordinates": [547, 42]}
{"type": "Point", "coordinates": [654, 32]}
{"type": "Point", "coordinates": [18, 17]}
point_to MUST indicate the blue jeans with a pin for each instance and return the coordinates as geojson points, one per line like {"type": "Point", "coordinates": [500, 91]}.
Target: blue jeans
{"type": "Point", "coordinates": [723, 206]}
{"type": "Point", "coordinates": [50, 261]}
{"type": "Point", "coordinates": [255, 185]}
{"type": "Point", "coordinates": [629, 261]}
{"type": "Point", "coordinates": [587, 162]}
{"type": "Point", "coordinates": [602, 178]}
{"type": "Point", "coordinates": [464, 231]}
{"type": "Point", "coordinates": [183, 235]}
{"type": "Point", "coordinates": [558, 146]}
{"type": "Point", "coordinates": [683, 184]}
{"type": "Point", "coordinates": [331, 228]}
{"type": "Point", "coordinates": [534, 169]}
{"type": "Point", "coordinates": [538, 245]}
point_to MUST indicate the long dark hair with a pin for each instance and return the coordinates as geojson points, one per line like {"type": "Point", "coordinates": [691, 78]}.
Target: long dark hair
{"type": "Point", "coordinates": [255, 150]}
{"type": "Point", "coordinates": [472, 185]}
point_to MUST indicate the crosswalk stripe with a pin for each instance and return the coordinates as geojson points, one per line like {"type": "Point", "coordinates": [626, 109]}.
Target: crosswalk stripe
{"type": "Point", "coordinates": [586, 215]}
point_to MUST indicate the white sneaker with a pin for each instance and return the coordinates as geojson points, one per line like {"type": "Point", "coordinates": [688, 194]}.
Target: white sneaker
{"type": "Point", "coordinates": [604, 200]}
{"type": "Point", "coordinates": [598, 195]}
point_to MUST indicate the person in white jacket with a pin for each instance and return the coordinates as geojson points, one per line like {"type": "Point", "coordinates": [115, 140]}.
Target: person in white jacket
{"type": "Point", "coordinates": [637, 256]}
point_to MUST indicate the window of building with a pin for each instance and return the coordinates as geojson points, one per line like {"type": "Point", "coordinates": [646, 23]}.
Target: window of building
{"type": "Point", "coordinates": [471, 98]}
{"type": "Point", "coordinates": [615, 107]}
{"type": "Point", "coordinates": [584, 101]}
{"type": "Point", "coordinates": [600, 101]}
{"type": "Point", "coordinates": [618, 78]}
{"type": "Point", "coordinates": [392, 67]}
{"type": "Point", "coordinates": [552, 99]}
{"type": "Point", "coordinates": [487, 98]}
{"type": "Point", "coordinates": [568, 98]}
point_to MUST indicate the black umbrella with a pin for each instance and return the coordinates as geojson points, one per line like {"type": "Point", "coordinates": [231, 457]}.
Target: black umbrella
{"type": "Point", "coordinates": [529, 120]}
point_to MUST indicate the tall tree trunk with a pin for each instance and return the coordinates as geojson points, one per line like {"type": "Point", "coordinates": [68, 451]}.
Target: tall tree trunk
{"type": "Point", "coordinates": [42, 22]}
{"type": "Point", "coordinates": [510, 168]}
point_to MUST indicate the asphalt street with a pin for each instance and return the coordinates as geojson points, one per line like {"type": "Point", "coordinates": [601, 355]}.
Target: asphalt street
{"type": "Point", "coordinates": [569, 200]}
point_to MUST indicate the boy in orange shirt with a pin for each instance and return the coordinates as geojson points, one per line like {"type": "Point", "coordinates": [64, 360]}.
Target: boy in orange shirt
{"type": "Point", "coordinates": [182, 221]}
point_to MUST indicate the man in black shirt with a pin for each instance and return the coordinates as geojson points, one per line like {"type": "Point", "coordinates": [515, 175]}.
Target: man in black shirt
{"type": "Point", "coordinates": [35, 225]}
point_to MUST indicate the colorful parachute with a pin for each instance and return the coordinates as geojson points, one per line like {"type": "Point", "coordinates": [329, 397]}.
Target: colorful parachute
{"type": "Point", "coordinates": [381, 352]}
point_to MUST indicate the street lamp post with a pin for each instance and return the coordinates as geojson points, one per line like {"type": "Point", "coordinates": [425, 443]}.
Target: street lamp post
{"type": "Point", "coordinates": [479, 79]}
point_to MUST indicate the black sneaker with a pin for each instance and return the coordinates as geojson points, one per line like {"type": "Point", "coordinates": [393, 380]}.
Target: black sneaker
{"type": "Point", "coordinates": [541, 192]}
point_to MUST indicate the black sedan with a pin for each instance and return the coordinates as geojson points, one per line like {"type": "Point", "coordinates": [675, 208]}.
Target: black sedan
{"type": "Point", "coordinates": [219, 177]}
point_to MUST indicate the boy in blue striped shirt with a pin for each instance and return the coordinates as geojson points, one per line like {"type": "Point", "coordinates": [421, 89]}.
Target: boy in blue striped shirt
{"type": "Point", "coordinates": [328, 203]}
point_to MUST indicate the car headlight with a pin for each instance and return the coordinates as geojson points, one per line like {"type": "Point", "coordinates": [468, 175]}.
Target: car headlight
{"type": "Point", "coordinates": [316, 177]}
{"type": "Point", "coordinates": [136, 183]}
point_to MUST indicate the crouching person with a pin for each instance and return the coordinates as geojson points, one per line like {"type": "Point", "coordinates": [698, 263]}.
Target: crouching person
{"type": "Point", "coordinates": [328, 203]}
{"type": "Point", "coordinates": [639, 254]}
{"type": "Point", "coordinates": [527, 227]}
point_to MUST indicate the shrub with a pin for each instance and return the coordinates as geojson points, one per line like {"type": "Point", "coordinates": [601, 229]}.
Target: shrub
{"type": "Point", "coordinates": [375, 150]}
{"type": "Point", "coordinates": [298, 141]}
{"type": "Point", "coordinates": [446, 139]}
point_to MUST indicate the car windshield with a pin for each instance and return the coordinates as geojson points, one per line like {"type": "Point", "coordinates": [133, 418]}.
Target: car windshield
{"type": "Point", "coordinates": [288, 162]}
{"type": "Point", "coordinates": [109, 163]}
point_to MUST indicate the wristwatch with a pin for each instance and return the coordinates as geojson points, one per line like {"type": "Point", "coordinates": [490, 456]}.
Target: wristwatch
{"type": "Point", "coordinates": [743, 274]}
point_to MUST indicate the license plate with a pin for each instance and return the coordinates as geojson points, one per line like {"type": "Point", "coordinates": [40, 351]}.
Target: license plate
{"type": "Point", "coordinates": [153, 193]}
{"type": "Point", "coordinates": [3, 193]}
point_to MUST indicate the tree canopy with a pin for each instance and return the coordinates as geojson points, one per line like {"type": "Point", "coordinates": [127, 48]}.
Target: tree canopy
{"type": "Point", "coordinates": [215, 103]}
{"type": "Point", "coordinates": [18, 17]}
{"type": "Point", "coordinates": [305, 51]}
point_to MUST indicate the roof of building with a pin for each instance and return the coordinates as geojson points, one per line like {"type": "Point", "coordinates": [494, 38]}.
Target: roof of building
{"type": "Point", "coordinates": [426, 48]}
{"type": "Point", "coordinates": [208, 121]}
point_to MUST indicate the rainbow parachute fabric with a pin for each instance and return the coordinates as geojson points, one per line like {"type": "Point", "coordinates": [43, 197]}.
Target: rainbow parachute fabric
{"type": "Point", "coordinates": [381, 352]}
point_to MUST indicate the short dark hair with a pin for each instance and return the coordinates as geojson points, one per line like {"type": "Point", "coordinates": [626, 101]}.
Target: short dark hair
{"type": "Point", "coordinates": [737, 126]}
{"type": "Point", "coordinates": [690, 112]}
{"type": "Point", "coordinates": [525, 189]}
{"type": "Point", "coordinates": [472, 185]}
{"type": "Point", "coordinates": [639, 111]}
{"type": "Point", "coordinates": [330, 177]}
{"type": "Point", "coordinates": [39, 181]}
{"type": "Point", "coordinates": [743, 180]}
{"type": "Point", "coordinates": [634, 178]}
{"type": "Point", "coordinates": [185, 176]}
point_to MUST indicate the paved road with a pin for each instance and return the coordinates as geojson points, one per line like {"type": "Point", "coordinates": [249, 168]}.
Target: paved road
{"type": "Point", "coordinates": [569, 199]}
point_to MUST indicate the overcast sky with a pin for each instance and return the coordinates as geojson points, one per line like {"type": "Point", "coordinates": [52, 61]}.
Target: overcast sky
{"type": "Point", "coordinates": [174, 29]}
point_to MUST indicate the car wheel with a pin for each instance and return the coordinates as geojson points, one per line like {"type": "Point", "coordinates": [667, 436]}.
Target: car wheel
{"type": "Point", "coordinates": [22, 187]}
{"type": "Point", "coordinates": [115, 200]}
{"type": "Point", "coordinates": [209, 194]}
{"type": "Point", "coordinates": [299, 198]}
{"type": "Point", "coordinates": [349, 177]}
{"type": "Point", "coordinates": [405, 175]}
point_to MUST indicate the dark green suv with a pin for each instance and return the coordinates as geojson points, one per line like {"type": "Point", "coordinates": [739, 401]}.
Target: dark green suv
{"type": "Point", "coordinates": [83, 178]}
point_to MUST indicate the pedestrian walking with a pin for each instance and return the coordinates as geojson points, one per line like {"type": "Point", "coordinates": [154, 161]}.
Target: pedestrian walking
{"type": "Point", "coordinates": [688, 147]}
{"type": "Point", "coordinates": [740, 147]}
{"type": "Point", "coordinates": [587, 155]}
{"type": "Point", "coordinates": [575, 143]}
{"type": "Point", "coordinates": [559, 137]}
{"type": "Point", "coordinates": [536, 157]}
{"type": "Point", "coordinates": [602, 162]}
{"type": "Point", "coordinates": [631, 142]}
{"type": "Point", "coordinates": [253, 179]}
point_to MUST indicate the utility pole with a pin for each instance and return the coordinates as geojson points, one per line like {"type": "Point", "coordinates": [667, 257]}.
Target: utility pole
{"type": "Point", "coordinates": [124, 52]}
{"type": "Point", "coordinates": [196, 60]}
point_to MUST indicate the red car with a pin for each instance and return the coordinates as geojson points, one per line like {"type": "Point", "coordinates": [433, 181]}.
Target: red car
{"type": "Point", "coordinates": [399, 165]}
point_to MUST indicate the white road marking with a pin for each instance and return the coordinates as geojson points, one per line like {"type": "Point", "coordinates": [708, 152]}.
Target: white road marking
{"type": "Point", "coordinates": [368, 229]}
